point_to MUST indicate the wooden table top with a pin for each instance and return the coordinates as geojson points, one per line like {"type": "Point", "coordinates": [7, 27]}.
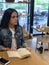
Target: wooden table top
{"type": "Point", "coordinates": [33, 60]}
{"type": "Point", "coordinates": [42, 29]}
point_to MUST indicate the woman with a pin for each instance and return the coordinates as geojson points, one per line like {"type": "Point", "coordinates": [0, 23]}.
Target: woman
{"type": "Point", "coordinates": [11, 34]}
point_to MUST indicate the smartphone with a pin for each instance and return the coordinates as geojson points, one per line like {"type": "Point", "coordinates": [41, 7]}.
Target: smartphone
{"type": "Point", "coordinates": [4, 61]}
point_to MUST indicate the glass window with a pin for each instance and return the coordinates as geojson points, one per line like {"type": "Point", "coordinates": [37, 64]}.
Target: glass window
{"type": "Point", "coordinates": [40, 13]}
{"type": "Point", "coordinates": [22, 9]}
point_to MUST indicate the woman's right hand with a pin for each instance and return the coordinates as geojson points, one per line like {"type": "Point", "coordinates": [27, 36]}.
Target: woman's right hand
{"type": "Point", "coordinates": [6, 49]}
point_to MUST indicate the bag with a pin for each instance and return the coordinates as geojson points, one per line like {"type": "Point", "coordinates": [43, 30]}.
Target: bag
{"type": "Point", "coordinates": [40, 49]}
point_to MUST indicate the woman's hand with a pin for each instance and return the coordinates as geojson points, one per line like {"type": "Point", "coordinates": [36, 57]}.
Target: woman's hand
{"type": "Point", "coordinates": [28, 48]}
{"type": "Point", "coordinates": [6, 49]}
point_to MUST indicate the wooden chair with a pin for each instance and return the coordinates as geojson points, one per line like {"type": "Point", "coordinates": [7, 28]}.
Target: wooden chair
{"type": "Point", "coordinates": [26, 34]}
{"type": "Point", "coordinates": [44, 40]}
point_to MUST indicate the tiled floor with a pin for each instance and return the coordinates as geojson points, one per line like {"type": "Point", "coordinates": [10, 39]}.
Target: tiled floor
{"type": "Point", "coordinates": [32, 44]}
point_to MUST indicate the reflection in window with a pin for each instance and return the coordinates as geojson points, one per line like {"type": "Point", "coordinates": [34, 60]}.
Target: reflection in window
{"type": "Point", "coordinates": [14, 0]}
{"type": "Point", "coordinates": [40, 13]}
{"type": "Point", "coordinates": [22, 9]}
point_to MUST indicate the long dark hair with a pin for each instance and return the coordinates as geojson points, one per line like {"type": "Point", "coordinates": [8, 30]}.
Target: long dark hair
{"type": "Point", "coordinates": [6, 17]}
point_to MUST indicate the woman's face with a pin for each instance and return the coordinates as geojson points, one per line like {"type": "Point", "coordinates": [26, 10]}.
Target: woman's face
{"type": "Point", "coordinates": [14, 19]}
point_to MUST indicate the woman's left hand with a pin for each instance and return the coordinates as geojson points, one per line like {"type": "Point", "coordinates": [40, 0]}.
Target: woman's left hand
{"type": "Point", "coordinates": [28, 48]}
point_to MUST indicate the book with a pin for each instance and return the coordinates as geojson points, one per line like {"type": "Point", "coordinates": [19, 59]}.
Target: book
{"type": "Point", "coordinates": [20, 53]}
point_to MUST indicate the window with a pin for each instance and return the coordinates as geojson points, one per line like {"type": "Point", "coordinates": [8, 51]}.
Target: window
{"type": "Point", "coordinates": [40, 13]}
{"type": "Point", "coordinates": [22, 9]}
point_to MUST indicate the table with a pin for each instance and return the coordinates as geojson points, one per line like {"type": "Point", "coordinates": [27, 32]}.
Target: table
{"type": "Point", "coordinates": [43, 40]}
{"type": "Point", "coordinates": [41, 29]}
{"type": "Point", "coordinates": [33, 60]}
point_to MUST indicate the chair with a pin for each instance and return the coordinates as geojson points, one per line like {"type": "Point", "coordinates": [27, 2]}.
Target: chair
{"type": "Point", "coordinates": [26, 34]}
{"type": "Point", "coordinates": [44, 40]}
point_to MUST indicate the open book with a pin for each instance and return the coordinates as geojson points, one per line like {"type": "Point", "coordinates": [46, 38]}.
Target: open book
{"type": "Point", "coordinates": [20, 53]}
